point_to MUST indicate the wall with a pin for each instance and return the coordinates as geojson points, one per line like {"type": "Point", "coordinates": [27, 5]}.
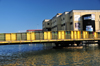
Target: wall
{"type": "Point", "coordinates": [97, 19]}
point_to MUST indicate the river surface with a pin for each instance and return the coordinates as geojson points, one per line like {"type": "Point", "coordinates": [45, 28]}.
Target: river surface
{"type": "Point", "coordinates": [45, 55]}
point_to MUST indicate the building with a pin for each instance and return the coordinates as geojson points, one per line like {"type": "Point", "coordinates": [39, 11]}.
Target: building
{"type": "Point", "coordinates": [65, 21]}
{"type": "Point", "coordinates": [36, 30]}
{"type": "Point", "coordinates": [46, 25]}
{"type": "Point", "coordinates": [56, 22]}
{"type": "Point", "coordinates": [87, 20]}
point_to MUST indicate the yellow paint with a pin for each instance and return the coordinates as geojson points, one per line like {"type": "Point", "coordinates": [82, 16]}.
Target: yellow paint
{"type": "Point", "coordinates": [63, 34]}
{"type": "Point", "coordinates": [86, 34]}
{"type": "Point", "coordinates": [13, 36]}
{"type": "Point", "coordinates": [95, 34]}
{"type": "Point", "coordinates": [28, 36]}
{"type": "Point", "coordinates": [72, 35]}
{"type": "Point", "coordinates": [7, 37]}
{"type": "Point", "coordinates": [49, 35]}
{"type": "Point", "coordinates": [83, 34]}
{"type": "Point", "coordinates": [45, 35]}
{"type": "Point", "coordinates": [79, 34]}
{"type": "Point", "coordinates": [75, 35]}
{"type": "Point", "coordinates": [59, 35]}
{"type": "Point", "coordinates": [32, 36]}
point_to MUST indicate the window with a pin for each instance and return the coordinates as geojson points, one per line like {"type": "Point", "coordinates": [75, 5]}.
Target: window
{"type": "Point", "coordinates": [47, 23]}
{"type": "Point", "coordinates": [70, 17]}
{"type": "Point", "coordinates": [71, 23]}
{"type": "Point", "coordinates": [63, 18]}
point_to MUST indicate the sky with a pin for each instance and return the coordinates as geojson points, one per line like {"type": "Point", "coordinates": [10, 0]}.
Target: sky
{"type": "Point", "coordinates": [22, 15]}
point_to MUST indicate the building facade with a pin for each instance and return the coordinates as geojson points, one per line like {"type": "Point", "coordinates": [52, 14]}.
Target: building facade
{"type": "Point", "coordinates": [56, 22]}
{"type": "Point", "coordinates": [87, 20]}
{"type": "Point", "coordinates": [65, 21]}
{"type": "Point", "coordinates": [46, 25]}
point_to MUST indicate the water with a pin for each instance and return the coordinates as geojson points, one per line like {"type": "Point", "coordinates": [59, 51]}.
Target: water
{"type": "Point", "coordinates": [45, 55]}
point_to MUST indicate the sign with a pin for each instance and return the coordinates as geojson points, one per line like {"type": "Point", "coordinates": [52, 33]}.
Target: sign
{"type": "Point", "coordinates": [76, 17]}
{"type": "Point", "coordinates": [77, 25]}
{"type": "Point", "coordinates": [89, 28]}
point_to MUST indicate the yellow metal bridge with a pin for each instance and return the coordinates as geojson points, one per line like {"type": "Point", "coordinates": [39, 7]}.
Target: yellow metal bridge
{"type": "Point", "coordinates": [47, 37]}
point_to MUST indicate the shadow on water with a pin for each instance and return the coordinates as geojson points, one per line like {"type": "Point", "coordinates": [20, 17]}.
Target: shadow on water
{"type": "Point", "coordinates": [39, 54]}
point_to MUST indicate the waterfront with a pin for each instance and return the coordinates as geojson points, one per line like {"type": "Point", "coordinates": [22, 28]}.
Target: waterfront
{"type": "Point", "coordinates": [45, 55]}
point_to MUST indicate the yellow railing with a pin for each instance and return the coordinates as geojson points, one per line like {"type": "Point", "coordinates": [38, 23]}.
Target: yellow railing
{"type": "Point", "coordinates": [50, 35]}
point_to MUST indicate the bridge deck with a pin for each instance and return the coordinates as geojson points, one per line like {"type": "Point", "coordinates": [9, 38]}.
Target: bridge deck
{"type": "Point", "coordinates": [47, 37]}
{"type": "Point", "coordinates": [43, 41]}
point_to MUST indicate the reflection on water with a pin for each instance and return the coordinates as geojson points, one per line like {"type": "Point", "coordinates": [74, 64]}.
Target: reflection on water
{"type": "Point", "coordinates": [43, 54]}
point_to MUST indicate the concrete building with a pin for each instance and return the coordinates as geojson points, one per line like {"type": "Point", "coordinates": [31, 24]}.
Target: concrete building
{"type": "Point", "coordinates": [46, 25]}
{"type": "Point", "coordinates": [56, 22]}
{"type": "Point", "coordinates": [87, 20]}
{"type": "Point", "coordinates": [65, 21]}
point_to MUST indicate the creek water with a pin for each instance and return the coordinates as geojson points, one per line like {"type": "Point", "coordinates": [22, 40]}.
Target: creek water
{"type": "Point", "coordinates": [45, 55]}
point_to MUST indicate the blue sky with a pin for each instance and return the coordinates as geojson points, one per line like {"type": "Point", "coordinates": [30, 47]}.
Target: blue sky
{"type": "Point", "coordinates": [21, 15]}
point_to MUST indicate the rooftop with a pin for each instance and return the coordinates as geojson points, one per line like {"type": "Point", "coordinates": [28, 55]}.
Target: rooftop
{"type": "Point", "coordinates": [86, 10]}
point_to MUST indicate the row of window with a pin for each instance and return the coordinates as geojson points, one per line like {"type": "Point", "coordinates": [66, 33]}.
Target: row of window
{"type": "Point", "coordinates": [54, 26]}
{"type": "Point", "coordinates": [47, 24]}
{"type": "Point", "coordinates": [61, 20]}
{"type": "Point", "coordinates": [53, 22]}
{"type": "Point", "coordinates": [70, 18]}
{"type": "Point", "coordinates": [64, 18]}
{"type": "Point", "coordinates": [61, 25]}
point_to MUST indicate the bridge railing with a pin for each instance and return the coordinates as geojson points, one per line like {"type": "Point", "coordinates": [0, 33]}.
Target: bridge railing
{"type": "Point", "coordinates": [49, 35]}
